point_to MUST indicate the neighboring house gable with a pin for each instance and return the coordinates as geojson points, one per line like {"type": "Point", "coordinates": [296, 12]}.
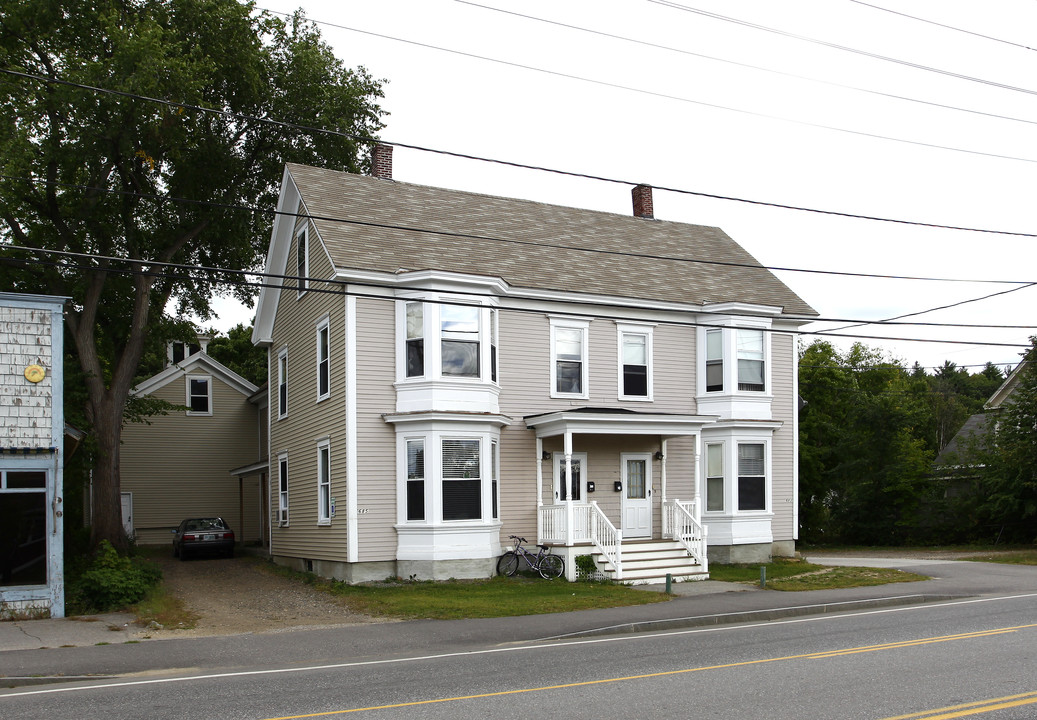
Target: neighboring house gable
{"type": "Point", "coordinates": [500, 366]}
{"type": "Point", "coordinates": [207, 458]}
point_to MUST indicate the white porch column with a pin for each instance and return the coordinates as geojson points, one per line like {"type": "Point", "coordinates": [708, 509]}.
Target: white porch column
{"type": "Point", "coordinates": [699, 500]}
{"type": "Point", "coordinates": [567, 448]}
{"type": "Point", "coordinates": [540, 489]}
{"type": "Point", "coordinates": [662, 472]}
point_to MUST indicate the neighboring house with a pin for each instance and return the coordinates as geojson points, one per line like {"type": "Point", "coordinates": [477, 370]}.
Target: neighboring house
{"type": "Point", "coordinates": [32, 429]}
{"type": "Point", "coordinates": [206, 458]}
{"type": "Point", "coordinates": [451, 369]}
{"type": "Point", "coordinates": [976, 426]}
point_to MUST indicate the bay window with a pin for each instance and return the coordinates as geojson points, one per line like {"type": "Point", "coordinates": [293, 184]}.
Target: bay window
{"type": "Point", "coordinates": [750, 360]}
{"type": "Point", "coordinates": [415, 499]}
{"type": "Point", "coordinates": [715, 360]}
{"type": "Point", "coordinates": [461, 479]}
{"type": "Point", "coordinates": [446, 341]}
{"type": "Point", "coordinates": [752, 477]}
{"type": "Point", "coordinates": [715, 477]}
{"type": "Point", "coordinates": [459, 333]}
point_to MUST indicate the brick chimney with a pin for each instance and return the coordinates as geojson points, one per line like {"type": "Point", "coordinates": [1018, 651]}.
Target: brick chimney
{"type": "Point", "coordinates": [642, 195]}
{"type": "Point", "coordinates": [381, 161]}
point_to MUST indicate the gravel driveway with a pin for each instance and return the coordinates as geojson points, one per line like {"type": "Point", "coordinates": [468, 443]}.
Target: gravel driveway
{"type": "Point", "coordinates": [238, 595]}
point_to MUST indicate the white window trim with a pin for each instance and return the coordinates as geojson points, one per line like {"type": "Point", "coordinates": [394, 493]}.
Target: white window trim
{"type": "Point", "coordinates": [432, 338]}
{"type": "Point", "coordinates": [729, 329]}
{"type": "Point", "coordinates": [303, 283]}
{"type": "Point", "coordinates": [767, 472]}
{"type": "Point", "coordinates": [208, 387]}
{"type": "Point", "coordinates": [433, 440]}
{"type": "Point", "coordinates": [402, 492]}
{"type": "Point", "coordinates": [323, 325]}
{"type": "Point", "coordinates": [647, 330]}
{"type": "Point", "coordinates": [579, 324]}
{"type": "Point", "coordinates": [282, 379]}
{"type": "Point", "coordinates": [282, 495]}
{"type": "Point", "coordinates": [723, 477]}
{"type": "Point", "coordinates": [323, 512]}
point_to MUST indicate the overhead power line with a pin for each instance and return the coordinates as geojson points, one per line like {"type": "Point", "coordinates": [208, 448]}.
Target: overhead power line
{"type": "Point", "coordinates": [490, 238]}
{"type": "Point", "coordinates": [948, 27]}
{"type": "Point", "coordinates": [748, 66]}
{"type": "Point", "coordinates": [836, 46]}
{"type": "Point", "coordinates": [666, 96]}
{"type": "Point", "coordinates": [276, 282]}
{"type": "Point", "coordinates": [510, 163]}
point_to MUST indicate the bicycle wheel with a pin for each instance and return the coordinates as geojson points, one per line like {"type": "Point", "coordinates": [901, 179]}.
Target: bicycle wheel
{"type": "Point", "coordinates": [508, 564]}
{"type": "Point", "coordinates": [551, 567]}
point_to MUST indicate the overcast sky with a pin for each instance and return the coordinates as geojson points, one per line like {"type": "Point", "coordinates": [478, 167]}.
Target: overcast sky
{"type": "Point", "coordinates": [781, 102]}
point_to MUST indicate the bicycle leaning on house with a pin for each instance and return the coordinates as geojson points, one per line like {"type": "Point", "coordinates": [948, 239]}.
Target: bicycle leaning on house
{"type": "Point", "coordinates": [543, 562]}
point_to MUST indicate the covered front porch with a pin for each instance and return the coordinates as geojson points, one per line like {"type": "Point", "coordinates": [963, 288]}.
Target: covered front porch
{"type": "Point", "coordinates": [623, 487]}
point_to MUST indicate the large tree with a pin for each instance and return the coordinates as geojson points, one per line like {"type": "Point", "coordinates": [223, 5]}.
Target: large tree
{"type": "Point", "coordinates": [130, 183]}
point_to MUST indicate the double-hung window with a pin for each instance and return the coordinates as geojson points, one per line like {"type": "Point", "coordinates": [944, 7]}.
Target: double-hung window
{"type": "Point", "coordinates": [302, 260]}
{"type": "Point", "coordinates": [462, 479]}
{"type": "Point", "coordinates": [459, 328]}
{"type": "Point", "coordinates": [415, 339]}
{"type": "Point", "coordinates": [752, 477]}
{"type": "Point", "coordinates": [635, 362]}
{"type": "Point", "coordinates": [199, 395]}
{"type": "Point", "coordinates": [323, 359]}
{"type": "Point", "coordinates": [282, 489]}
{"type": "Point", "coordinates": [715, 360]}
{"type": "Point", "coordinates": [569, 358]}
{"type": "Point", "coordinates": [750, 360]}
{"type": "Point", "coordinates": [282, 383]}
{"type": "Point", "coordinates": [715, 477]}
{"type": "Point", "coordinates": [416, 479]}
{"type": "Point", "coordinates": [324, 482]}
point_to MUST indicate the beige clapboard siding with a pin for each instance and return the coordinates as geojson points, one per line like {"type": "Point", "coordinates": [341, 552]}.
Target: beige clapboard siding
{"type": "Point", "coordinates": [525, 357]}
{"type": "Point", "coordinates": [783, 408]}
{"type": "Point", "coordinates": [171, 479]}
{"type": "Point", "coordinates": [376, 439]}
{"type": "Point", "coordinates": [309, 421]}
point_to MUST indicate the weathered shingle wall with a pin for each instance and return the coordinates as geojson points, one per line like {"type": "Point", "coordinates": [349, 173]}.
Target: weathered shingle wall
{"type": "Point", "coordinates": [26, 408]}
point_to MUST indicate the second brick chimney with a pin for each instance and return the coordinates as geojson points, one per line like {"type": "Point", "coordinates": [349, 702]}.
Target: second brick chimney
{"type": "Point", "coordinates": [642, 195]}
{"type": "Point", "coordinates": [381, 161]}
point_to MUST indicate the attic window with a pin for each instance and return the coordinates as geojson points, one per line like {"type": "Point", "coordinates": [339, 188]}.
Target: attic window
{"type": "Point", "coordinates": [199, 395]}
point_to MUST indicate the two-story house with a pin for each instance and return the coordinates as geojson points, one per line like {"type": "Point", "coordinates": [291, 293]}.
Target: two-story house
{"type": "Point", "coordinates": [448, 369]}
{"type": "Point", "coordinates": [206, 457]}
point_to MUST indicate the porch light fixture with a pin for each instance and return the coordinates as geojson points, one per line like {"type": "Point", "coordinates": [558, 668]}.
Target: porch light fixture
{"type": "Point", "coordinates": [659, 455]}
{"type": "Point", "coordinates": [545, 455]}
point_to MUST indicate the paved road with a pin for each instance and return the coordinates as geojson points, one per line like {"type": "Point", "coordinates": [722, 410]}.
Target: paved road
{"type": "Point", "coordinates": [974, 655]}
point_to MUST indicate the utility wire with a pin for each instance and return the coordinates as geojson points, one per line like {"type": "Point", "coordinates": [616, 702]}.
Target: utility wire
{"type": "Point", "coordinates": [668, 96]}
{"type": "Point", "coordinates": [948, 27]}
{"type": "Point", "coordinates": [825, 43]}
{"type": "Point", "coordinates": [191, 275]}
{"type": "Point", "coordinates": [490, 238]}
{"type": "Point", "coordinates": [509, 163]}
{"type": "Point", "coordinates": [670, 48]}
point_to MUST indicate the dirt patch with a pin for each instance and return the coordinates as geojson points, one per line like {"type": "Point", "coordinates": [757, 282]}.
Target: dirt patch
{"type": "Point", "coordinates": [238, 595]}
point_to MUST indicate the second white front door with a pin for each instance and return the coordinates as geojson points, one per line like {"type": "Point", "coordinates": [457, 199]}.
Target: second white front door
{"type": "Point", "coordinates": [637, 495]}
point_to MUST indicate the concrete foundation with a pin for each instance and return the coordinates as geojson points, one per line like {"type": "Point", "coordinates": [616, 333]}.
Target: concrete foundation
{"type": "Point", "coordinates": [354, 573]}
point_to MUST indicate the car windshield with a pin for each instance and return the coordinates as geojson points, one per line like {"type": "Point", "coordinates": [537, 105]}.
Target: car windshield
{"type": "Point", "coordinates": [206, 524]}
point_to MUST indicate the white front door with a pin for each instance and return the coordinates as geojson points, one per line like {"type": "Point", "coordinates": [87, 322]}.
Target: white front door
{"type": "Point", "coordinates": [637, 495]}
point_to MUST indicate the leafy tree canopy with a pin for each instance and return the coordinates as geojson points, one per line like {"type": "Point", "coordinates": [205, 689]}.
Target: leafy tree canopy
{"type": "Point", "coordinates": [128, 183]}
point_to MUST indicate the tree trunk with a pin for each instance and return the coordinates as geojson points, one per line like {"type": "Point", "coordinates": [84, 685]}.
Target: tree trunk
{"type": "Point", "coordinates": [106, 497]}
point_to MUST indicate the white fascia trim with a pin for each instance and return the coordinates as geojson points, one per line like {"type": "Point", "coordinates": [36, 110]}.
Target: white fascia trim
{"type": "Point", "coordinates": [352, 467]}
{"type": "Point", "coordinates": [740, 308]}
{"type": "Point", "coordinates": [281, 236]}
{"type": "Point", "coordinates": [194, 363]}
{"type": "Point", "coordinates": [428, 281]}
{"type": "Point", "coordinates": [445, 417]}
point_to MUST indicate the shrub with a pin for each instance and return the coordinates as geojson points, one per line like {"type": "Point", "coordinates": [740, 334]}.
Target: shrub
{"type": "Point", "coordinates": [112, 581]}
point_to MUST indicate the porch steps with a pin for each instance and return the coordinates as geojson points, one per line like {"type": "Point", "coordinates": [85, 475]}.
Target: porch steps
{"type": "Point", "coordinates": [649, 561]}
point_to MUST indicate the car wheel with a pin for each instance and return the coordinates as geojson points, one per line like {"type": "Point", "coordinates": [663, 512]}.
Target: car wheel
{"type": "Point", "coordinates": [183, 555]}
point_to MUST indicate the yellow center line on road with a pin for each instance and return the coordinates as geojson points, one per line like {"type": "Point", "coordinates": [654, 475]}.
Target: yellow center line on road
{"type": "Point", "coordinates": [817, 655]}
{"type": "Point", "coordinates": [972, 708]}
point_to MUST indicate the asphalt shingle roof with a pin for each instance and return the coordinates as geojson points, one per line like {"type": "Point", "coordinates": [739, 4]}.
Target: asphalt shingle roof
{"type": "Point", "coordinates": [530, 244]}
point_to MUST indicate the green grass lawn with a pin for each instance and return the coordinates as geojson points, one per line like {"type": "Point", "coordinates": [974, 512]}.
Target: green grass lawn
{"type": "Point", "coordinates": [496, 597]}
{"type": "Point", "coordinates": [793, 574]}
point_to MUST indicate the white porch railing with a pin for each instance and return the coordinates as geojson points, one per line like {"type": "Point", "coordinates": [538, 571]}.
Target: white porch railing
{"type": "Point", "coordinates": [680, 524]}
{"type": "Point", "coordinates": [606, 538]}
{"type": "Point", "coordinates": [571, 523]}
